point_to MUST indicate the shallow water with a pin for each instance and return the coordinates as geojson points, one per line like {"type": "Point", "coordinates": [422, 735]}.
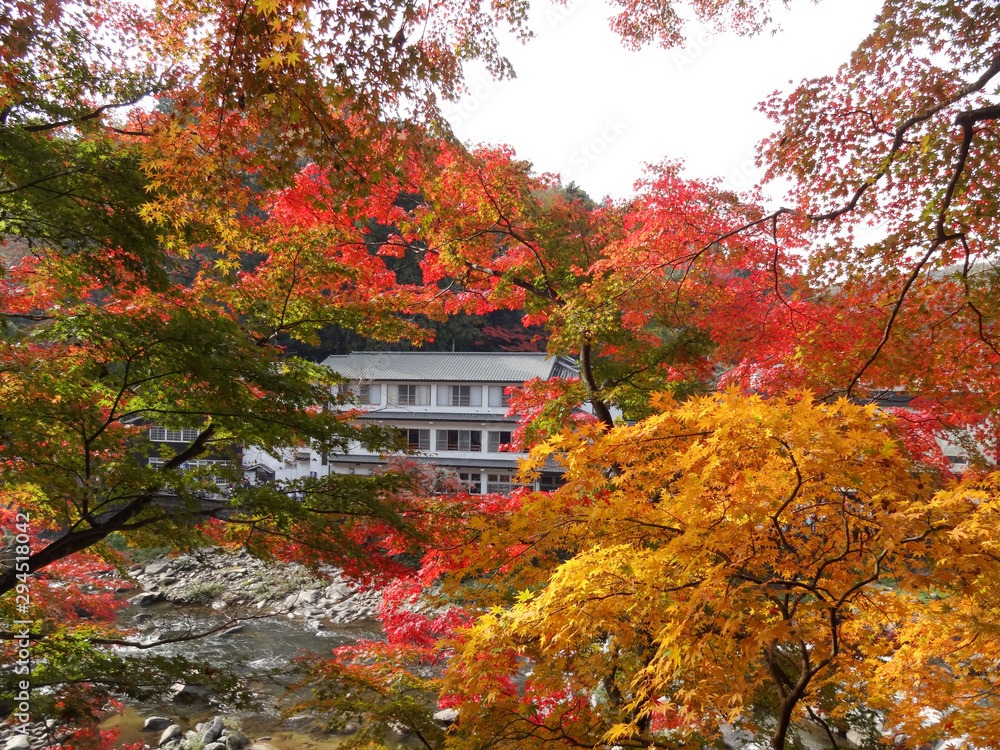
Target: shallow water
{"type": "Point", "coordinates": [262, 652]}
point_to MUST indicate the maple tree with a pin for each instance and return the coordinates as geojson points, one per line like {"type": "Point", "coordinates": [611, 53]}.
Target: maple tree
{"type": "Point", "coordinates": [156, 255]}
{"type": "Point", "coordinates": [798, 296]}
{"type": "Point", "coordinates": [131, 297]}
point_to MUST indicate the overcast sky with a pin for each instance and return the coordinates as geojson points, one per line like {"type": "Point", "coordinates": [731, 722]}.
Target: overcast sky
{"type": "Point", "coordinates": [585, 107]}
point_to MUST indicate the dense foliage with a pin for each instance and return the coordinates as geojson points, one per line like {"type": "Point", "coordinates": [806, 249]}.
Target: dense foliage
{"type": "Point", "coordinates": [186, 189]}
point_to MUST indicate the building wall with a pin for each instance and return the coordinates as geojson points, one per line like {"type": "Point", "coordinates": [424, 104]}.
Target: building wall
{"type": "Point", "coordinates": [457, 425]}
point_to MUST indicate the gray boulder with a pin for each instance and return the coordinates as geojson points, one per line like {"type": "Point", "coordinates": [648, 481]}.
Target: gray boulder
{"type": "Point", "coordinates": [157, 568]}
{"type": "Point", "coordinates": [171, 733]}
{"type": "Point", "coordinates": [446, 716]}
{"type": "Point", "coordinates": [237, 741]}
{"type": "Point", "coordinates": [156, 723]}
{"type": "Point", "coordinates": [17, 742]}
{"type": "Point", "coordinates": [212, 731]}
{"type": "Point", "coordinates": [182, 693]}
{"type": "Point", "coordinates": [145, 599]}
{"type": "Point", "coordinates": [338, 591]}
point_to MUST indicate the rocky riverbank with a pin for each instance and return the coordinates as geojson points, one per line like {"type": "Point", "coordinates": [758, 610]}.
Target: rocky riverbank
{"type": "Point", "coordinates": [236, 582]}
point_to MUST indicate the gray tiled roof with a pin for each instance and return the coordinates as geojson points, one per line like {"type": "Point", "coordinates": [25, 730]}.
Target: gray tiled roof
{"type": "Point", "coordinates": [462, 367]}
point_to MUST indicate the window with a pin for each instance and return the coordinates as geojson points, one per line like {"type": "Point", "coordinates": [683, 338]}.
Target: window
{"type": "Point", "coordinates": [419, 440]}
{"type": "Point", "coordinates": [498, 396]}
{"type": "Point", "coordinates": [497, 440]}
{"type": "Point", "coordinates": [459, 440]}
{"type": "Point", "coordinates": [460, 395]}
{"type": "Point", "coordinates": [500, 483]}
{"type": "Point", "coordinates": [195, 463]}
{"type": "Point", "coordinates": [163, 435]}
{"type": "Point", "coordinates": [550, 482]}
{"type": "Point", "coordinates": [472, 481]}
{"type": "Point", "coordinates": [410, 394]}
{"type": "Point", "coordinates": [361, 393]}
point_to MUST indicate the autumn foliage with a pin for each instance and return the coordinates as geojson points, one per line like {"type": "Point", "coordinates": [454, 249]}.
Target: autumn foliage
{"type": "Point", "coordinates": [743, 539]}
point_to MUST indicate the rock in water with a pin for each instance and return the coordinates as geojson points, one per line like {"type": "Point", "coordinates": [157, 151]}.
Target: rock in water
{"type": "Point", "coordinates": [156, 723]}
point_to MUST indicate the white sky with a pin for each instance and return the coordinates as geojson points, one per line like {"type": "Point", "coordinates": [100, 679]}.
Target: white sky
{"type": "Point", "coordinates": [585, 107]}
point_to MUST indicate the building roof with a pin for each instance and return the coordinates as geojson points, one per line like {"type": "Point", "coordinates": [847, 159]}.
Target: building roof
{"type": "Point", "coordinates": [466, 367]}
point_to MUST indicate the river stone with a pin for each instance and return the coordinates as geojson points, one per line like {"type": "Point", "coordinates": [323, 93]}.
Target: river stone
{"type": "Point", "coordinates": [212, 731]}
{"type": "Point", "coordinates": [173, 732]}
{"type": "Point", "coordinates": [308, 597]}
{"type": "Point", "coordinates": [446, 716]}
{"type": "Point", "coordinates": [156, 723]}
{"type": "Point", "coordinates": [168, 580]}
{"type": "Point", "coordinates": [145, 599]}
{"type": "Point", "coordinates": [237, 741]}
{"type": "Point", "coordinates": [232, 631]}
{"type": "Point", "coordinates": [297, 721]}
{"type": "Point", "coordinates": [338, 590]}
{"type": "Point", "coordinates": [182, 693]}
{"type": "Point", "coordinates": [156, 568]}
{"type": "Point", "coordinates": [18, 742]}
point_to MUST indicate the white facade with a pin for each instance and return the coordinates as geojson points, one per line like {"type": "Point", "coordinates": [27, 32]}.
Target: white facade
{"type": "Point", "coordinates": [450, 407]}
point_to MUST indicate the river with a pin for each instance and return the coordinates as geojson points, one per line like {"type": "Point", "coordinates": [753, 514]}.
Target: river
{"type": "Point", "coordinates": [261, 652]}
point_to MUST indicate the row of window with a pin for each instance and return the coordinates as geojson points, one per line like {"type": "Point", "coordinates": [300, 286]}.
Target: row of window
{"type": "Point", "coordinates": [156, 462]}
{"type": "Point", "coordinates": [419, 394]}
{"type": "Point", "coordinates": [163, 435]}
{"type": "Point", "coordinates": [500, 482]}
{"type": "Point", "coordinates": [456, 440]}
{"type": "Point", "coordinates": [503, 482]}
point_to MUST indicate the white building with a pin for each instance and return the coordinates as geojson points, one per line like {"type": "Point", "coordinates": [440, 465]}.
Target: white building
{"type": "Point", "coordinates": [451, 408]}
